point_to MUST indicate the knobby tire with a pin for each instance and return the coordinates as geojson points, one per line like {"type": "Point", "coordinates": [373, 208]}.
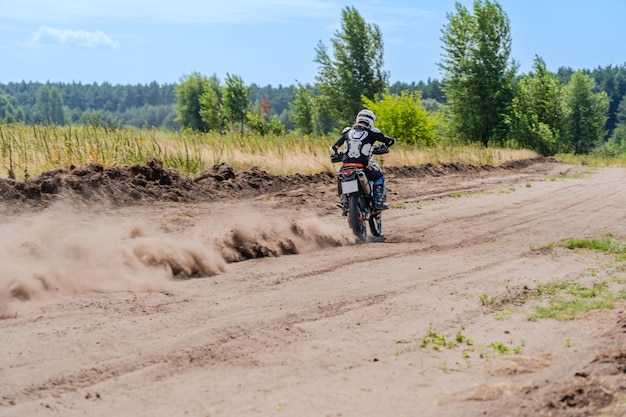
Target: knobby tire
{"type": "Point", "coordinates": [356, 219]}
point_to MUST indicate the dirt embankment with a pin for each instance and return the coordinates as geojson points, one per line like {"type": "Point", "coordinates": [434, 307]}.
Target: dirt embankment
{"type": "Point", "coordinates": [145, 183]}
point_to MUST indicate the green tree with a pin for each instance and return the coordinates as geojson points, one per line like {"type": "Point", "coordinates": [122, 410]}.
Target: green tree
{"type": "Point", "coordinates": [616, 145]}
{"type": "Point", "coordinates": [302, 110]}
{"type": "Point", "coordinates": [617, 141]}
{"type": "Point", "coordinates": [49, 105]}
{"type": "Point", "coordinates": [325, 122]}
{"type": "Point", "coordinates": [260, 121]}
{"type": "Point", "coordinates": [537, 118]}
{"type": "Point", "coordinates": [402, 116]}
{"type": "Point", "coordinates": [611, 80]}
{"type": "Point", "coordinates": [356, 68]}
{"type": "Point", "coordinates": [188, 92]}
{"type": "Point", "coordinates": [621, 112]}
{"type": "Point", "coordinates": [259, 124]}
{"type": "Point", "coordinates": [211, 105]}
{"type": "Point", "coordinates": [10, 111]}
{"type": "Point", "coordinates": [586, 114]}
{"type": "Point", "coordinates": [236, 101]}
{"type": "Point", "coordinates": [478, 74]}
{"type": "Point", "coordinates": [431, 89]}
{"type": "Point", "coordinates": [279, 97]}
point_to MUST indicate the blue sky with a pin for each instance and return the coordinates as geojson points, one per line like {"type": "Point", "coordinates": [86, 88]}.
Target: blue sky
{"type": "Point", "coordinates": [273, 41]}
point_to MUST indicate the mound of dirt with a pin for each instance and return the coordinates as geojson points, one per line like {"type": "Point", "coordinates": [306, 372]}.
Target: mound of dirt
{"type": "Point", "coordinates": [149, 182]}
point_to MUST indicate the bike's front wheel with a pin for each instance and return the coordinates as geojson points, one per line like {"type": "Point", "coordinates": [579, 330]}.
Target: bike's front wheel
{"type": "Point", "coordinates": [356, 216]}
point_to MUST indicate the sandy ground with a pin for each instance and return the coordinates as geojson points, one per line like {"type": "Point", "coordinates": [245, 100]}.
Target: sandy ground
{"type": "Point", "coordinates": [265, 306]}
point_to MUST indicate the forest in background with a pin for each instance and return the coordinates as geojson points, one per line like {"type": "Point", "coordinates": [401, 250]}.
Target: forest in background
{"type": "Point", "coordinates": [153, 105]}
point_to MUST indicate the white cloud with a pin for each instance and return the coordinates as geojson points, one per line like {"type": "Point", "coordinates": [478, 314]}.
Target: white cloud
{"type": "Point", "coordinates": [81, 38]}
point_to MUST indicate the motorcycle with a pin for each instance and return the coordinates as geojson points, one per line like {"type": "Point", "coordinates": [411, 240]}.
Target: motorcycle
{"type": "Point", "coordinates": [357, 199]}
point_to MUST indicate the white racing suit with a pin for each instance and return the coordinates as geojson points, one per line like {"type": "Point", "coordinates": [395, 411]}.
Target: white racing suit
{"type": "Point", "coordinates": [359, 146]}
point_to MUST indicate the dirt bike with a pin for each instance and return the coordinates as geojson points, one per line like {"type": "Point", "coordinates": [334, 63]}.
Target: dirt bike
{"type": "Point", "coordinates": [358, 204]}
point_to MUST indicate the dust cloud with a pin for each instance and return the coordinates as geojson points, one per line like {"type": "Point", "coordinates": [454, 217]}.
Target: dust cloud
{"type": "Point", "coordinates": [66, 250]}
{"type": "Point", "coordinates": [255, 238]}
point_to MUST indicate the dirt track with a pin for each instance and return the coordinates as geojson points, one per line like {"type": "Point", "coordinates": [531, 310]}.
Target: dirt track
{"type": "Point", "coordinates": [95, 325]}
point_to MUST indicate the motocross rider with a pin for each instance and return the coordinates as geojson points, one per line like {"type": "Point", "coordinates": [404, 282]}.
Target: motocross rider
{"type": "Point", "coordinates": [359, 146]}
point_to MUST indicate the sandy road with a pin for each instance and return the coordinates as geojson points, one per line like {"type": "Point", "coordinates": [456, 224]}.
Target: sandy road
{"type": "Point", "coordinates": [338, 331]}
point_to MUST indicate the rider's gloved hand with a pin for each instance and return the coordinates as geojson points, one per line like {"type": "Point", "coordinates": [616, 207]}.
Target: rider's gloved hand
{"type": "Point", "coordinates": [332, 150]}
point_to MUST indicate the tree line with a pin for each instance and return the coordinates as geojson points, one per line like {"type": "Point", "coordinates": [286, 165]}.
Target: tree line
{"type": "Point", "coordinates": [481, 97]}
{"type": "Point", "coordinates": [140, 105]}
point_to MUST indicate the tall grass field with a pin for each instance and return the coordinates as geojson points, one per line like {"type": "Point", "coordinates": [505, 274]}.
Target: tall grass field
{"type": "Point", "coordinates": [28, 150]}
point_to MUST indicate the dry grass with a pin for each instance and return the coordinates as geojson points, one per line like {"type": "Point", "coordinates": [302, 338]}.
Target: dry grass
{"type": "Point", "coordinates": [594, 161]}
{"type": "Point", "coordinates": [27, 151]}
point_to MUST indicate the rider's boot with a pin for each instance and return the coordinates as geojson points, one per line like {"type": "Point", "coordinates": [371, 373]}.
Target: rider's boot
{"type": "Point", "coordinates": [379, 196]}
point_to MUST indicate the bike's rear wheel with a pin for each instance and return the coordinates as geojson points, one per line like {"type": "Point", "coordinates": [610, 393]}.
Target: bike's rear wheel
{"type": "Point", "coordinates": [356, 217]}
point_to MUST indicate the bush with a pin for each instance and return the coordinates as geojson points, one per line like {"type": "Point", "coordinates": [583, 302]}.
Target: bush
{"type": "Point", "coordinates": [403, 117]}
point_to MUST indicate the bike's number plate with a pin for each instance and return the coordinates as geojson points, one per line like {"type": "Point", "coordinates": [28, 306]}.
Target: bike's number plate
{"type": "Point", "coordinates": [348, 187]}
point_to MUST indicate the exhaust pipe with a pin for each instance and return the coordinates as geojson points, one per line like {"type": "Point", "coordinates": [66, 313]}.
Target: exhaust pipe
{"type": "Point", "coordinates": [365, 184]}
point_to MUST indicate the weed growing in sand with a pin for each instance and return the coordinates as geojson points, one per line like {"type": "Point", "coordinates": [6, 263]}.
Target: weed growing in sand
{"type": "Point", "coordinates": [503, 349]}
{"type": "Point", "coordinates": [499, 347]}
{"type": "Point", "coordinates": [543, 250]}
{"type": "Point", "coordinates": [460, 339]}
{"type": "Point", "coordinates": [503, 314]}
{"type": "Point", "coordinates": [438, 342]}
{"type": "Point", "coordinates": [487, 300]}
{"type": "Point", "coordinates": [506, 190]}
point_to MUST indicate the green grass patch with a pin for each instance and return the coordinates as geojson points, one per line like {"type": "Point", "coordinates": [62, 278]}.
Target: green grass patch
{"type": "Point", "coordinates": [564, 300]}
{"type": "Point", "coordinates": [573, 288]}
{"type": "Point", "coordinates": [567, 309]}
{"type": "Point", "coordinates": [571, 298]}
{"type": "Point", "coordinates": [604, 244]}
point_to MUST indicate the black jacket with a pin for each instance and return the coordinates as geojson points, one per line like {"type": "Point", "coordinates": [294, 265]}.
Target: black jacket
{"type": "Point", "coordinates": [359, 142]}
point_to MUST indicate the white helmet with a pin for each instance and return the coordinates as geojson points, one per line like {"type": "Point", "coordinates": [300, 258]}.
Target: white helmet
{"type": "Point", "coordinates": [366, 118]}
